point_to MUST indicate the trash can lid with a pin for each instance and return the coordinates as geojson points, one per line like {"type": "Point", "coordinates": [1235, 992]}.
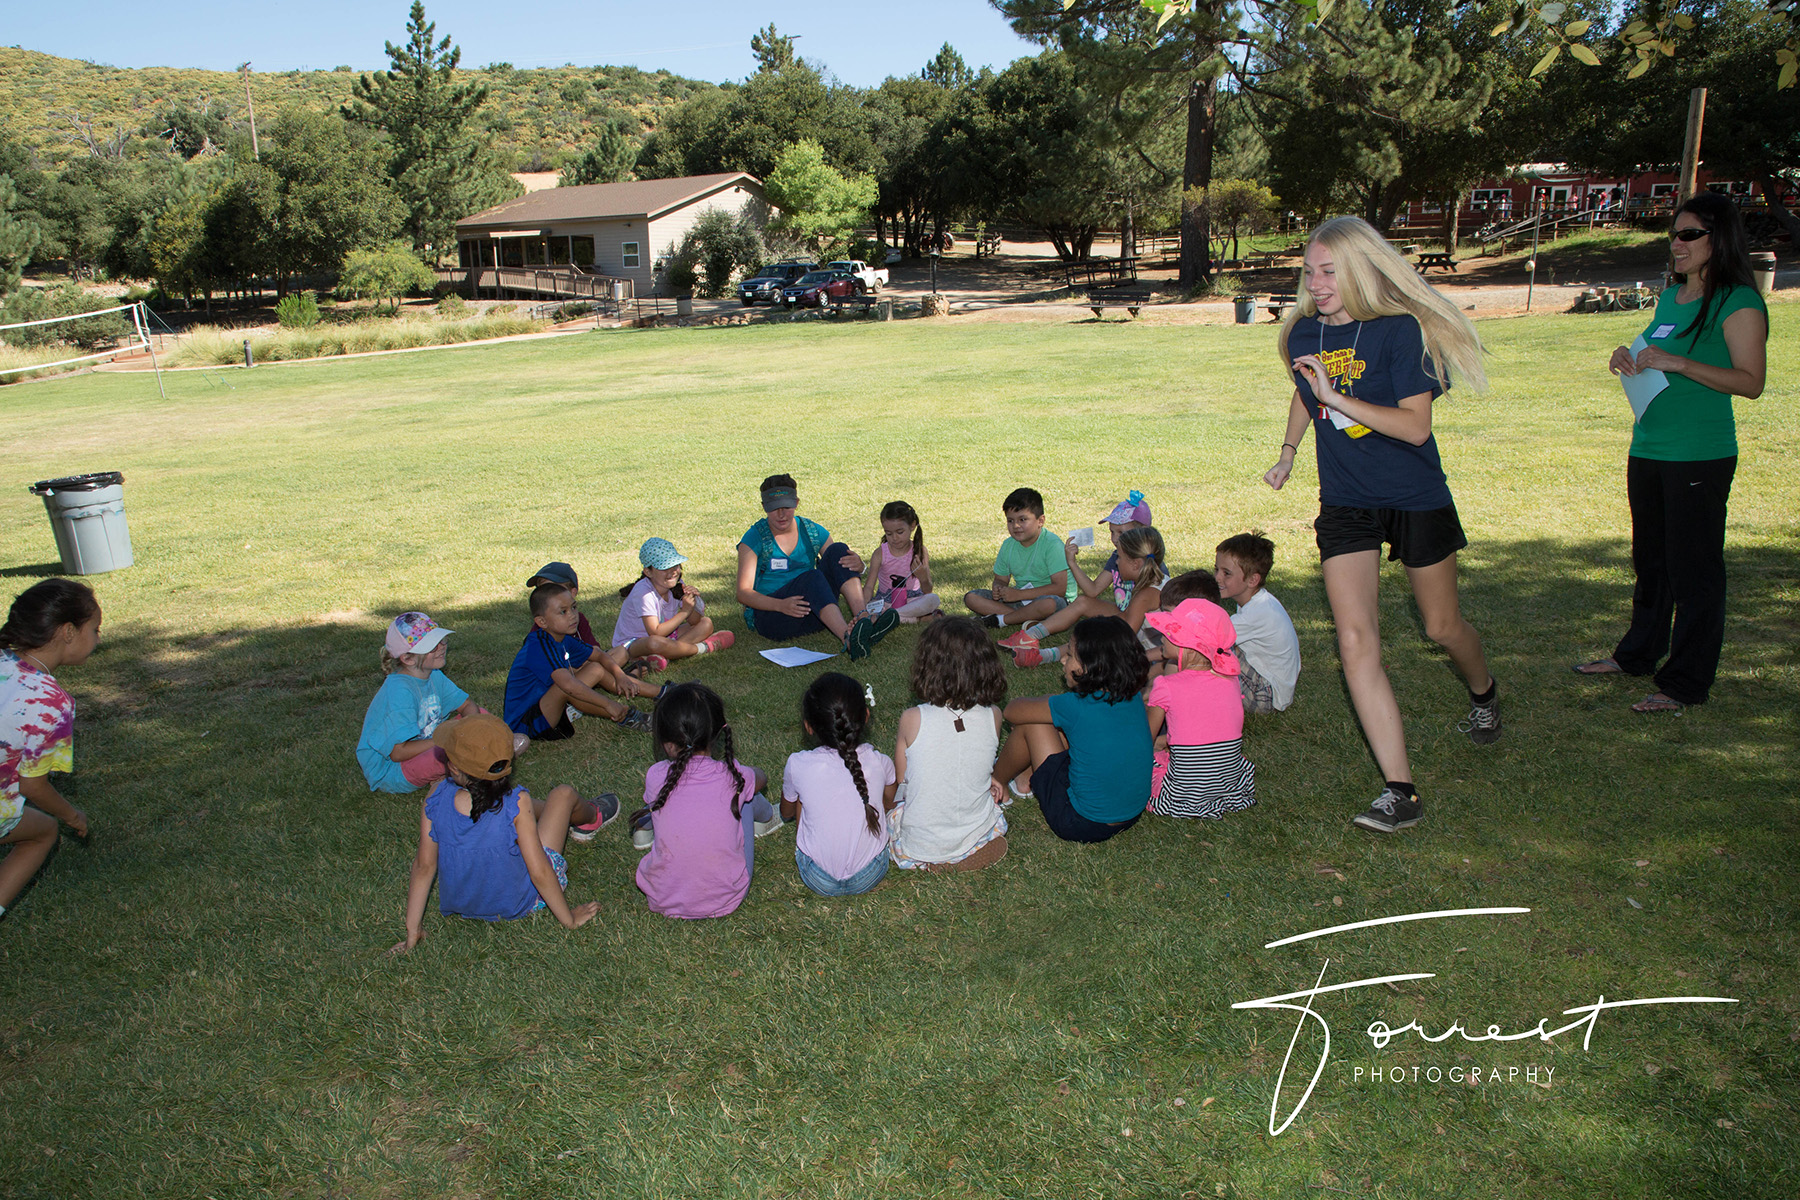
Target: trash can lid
{"type": "Point", "coordinates": [76, 483]}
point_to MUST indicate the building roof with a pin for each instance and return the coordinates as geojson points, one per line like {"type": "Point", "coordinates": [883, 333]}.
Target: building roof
{"type": "Point", "coordinates": [645, 198]}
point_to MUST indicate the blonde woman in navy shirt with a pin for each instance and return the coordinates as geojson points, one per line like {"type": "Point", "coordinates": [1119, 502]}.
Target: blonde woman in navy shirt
{"type": "Point", "coordinates": [1371, 345]}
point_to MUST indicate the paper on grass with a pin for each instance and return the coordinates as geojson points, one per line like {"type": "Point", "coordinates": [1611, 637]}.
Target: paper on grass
{"type": "Point", "coordinates": [1642, 388]}
{"type": "Point", "coordinates": [794, 656]}
{"type": "Point", "coordinates": [1081, 537]}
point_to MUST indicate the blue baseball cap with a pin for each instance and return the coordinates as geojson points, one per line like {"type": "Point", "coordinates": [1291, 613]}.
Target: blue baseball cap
{"type": "Point", "coordinates": [659, 554]}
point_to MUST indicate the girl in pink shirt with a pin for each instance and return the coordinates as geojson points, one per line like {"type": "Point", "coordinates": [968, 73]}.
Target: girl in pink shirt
{"type": "Point", "coordinates": [1197, 717]}
{"type": "Point", "coordinates": [707, 811]}
{"type": "Point", "coordinates": [899, 572]}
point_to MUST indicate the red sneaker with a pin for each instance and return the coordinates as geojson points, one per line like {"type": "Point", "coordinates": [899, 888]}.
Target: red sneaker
{"type": "Point", "coordinates": [1019, 641]}
{"type": "Point", "coordinates": [1031, 657]}
{"type": "Point", "coordinates": [721, 640]}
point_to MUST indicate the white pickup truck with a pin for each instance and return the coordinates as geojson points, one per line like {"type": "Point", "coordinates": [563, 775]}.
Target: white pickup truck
{"type": "Point", "coordinates": [872, 278]}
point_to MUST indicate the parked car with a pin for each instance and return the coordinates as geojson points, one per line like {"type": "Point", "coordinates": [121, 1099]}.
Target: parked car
{"type": "Point", "coordinates": [765, 286]}
{"type": "Point", "coordinates": [819, 288]}
{"type": "Point", "coordinates": [873, 278]}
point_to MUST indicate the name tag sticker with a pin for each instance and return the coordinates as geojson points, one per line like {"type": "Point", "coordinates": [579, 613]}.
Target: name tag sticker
{"type": "Point", "coordinates": [1663, 331]}
{"type": "Point", "coordinates": [778, 564]}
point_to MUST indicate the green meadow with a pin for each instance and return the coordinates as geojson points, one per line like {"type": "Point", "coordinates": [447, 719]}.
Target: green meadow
{"type": "Point", "coordinates": [197, 1002]}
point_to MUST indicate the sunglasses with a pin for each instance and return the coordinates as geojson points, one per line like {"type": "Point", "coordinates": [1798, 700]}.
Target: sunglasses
{"type": "Point", "coordinates": [1689, 235]}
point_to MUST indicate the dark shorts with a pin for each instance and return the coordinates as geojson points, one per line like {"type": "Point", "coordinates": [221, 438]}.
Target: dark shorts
{"type": "Point", "coordinates": [1417, 539]}
{"type": "Point", "coordinates": [540, 730]}
{"type": "Point", "coordinates": [820, 586]}
{"type": "Point", "coordinates": [1051, 784]}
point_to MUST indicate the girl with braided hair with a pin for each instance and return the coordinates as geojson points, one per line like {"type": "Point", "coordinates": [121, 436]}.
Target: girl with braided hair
{"type": "Point", "coordinates": [840, 844]}
{"type": "Point", "coordinates": [707, 812]}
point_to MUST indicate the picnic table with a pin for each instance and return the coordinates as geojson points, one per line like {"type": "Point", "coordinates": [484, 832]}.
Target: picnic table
{"type": "Point", "coordinates": [1110, 271]}
{"type": "Point", "coordinates": [1428, 261]}
{"type": "Point", "coordinates": [1280, 302]}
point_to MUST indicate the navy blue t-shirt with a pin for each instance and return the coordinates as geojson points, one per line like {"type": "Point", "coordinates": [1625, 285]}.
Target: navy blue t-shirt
{"type": "Point", "coordinates": [538, 659]}
{"type": "Point", "coordinates": [1380, 362]}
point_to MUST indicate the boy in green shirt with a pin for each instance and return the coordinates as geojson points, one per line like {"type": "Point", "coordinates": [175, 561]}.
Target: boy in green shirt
{"type": "Point", "coordinates": [1031, 573]}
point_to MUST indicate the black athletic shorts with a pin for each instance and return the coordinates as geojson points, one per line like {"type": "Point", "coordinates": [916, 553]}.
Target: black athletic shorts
{"type": "Point", "coordinates": [1418, 539]}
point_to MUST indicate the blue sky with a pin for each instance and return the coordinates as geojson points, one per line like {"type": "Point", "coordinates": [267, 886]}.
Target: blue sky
{"type": "Point", "coordinates": [860, 41]}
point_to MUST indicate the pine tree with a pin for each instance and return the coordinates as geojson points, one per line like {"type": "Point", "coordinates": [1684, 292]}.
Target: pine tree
{"type": "Point", "coordinates": [438, 168]}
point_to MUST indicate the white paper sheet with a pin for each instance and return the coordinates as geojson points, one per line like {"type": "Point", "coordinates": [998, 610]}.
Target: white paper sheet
{"type": "Point", "coordinates": [1642, 388]}
{"type": "Point", "coordinates": [1081, 537]}
{"type": "Point", "coordinates": [794, 656]}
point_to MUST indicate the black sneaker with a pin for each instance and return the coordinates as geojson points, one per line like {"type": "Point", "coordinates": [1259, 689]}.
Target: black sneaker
{"type": "Point", "coordinates": [1391, 811]}
{"type": "Point", "coordinates": [633, 719]}
{"type": "Point", "coordinates": [1483, 722]}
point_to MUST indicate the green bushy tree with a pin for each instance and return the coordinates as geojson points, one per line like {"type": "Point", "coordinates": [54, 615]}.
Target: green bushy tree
{"type": "Point", "coordinates": [818, 204]}
{"type": "Point", "coordinates": [385, 274]}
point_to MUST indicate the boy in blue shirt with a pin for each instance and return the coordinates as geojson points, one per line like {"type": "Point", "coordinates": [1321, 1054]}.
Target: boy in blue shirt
{"type": "Point", "coordinates": [1031, 574]}
{"type": "Point", "coordinates": [555, 674]}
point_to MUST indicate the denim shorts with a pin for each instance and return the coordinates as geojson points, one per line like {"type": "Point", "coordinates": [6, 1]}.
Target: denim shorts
{"type": "Point", "coordinates": [825, 884]}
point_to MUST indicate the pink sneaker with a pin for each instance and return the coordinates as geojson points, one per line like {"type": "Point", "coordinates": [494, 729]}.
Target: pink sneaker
{"type": "Point", "coordinates": [722, 640]}
{"type": "Point", "coordinates": [1019, 641]}
{"type": "Point", "coordinates": [1031, 657]}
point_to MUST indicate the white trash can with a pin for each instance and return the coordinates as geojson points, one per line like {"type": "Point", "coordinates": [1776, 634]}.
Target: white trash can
{"type": "Point", "coordinates": [87, 514]}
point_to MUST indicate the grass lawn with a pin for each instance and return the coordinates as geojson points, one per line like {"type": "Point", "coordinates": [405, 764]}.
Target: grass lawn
{"type": "Point", "coordinates": [197, 1003]}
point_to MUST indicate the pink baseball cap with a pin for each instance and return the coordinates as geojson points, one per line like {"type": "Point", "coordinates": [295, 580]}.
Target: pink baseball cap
{"type": "Point", "coordinates": [414, 633]}
{"type": "Point", "coordinates": [1132, 508]}
{"type": "Point", "coordinates": [1200, 625]}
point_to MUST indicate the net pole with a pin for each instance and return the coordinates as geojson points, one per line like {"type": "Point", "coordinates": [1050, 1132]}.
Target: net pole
{"type": "Point", "coordinates": [140, 314]}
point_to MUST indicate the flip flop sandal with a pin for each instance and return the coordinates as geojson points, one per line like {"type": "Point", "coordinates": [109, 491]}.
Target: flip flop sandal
{"type": "Point", "coordinates": [1656, 702]}
{"type": "Point", "coordinates": [1600, 666]}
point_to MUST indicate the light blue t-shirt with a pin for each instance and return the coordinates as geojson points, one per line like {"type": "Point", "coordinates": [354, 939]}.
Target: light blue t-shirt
{"type": "Point", "coordinates": [404, 709]}
{"type": "Point", "coordinates": [1110, 753]}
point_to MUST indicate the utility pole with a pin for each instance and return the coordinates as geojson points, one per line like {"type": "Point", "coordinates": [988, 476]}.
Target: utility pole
{"type": "Point", "coordinates": [255, 150]}
{"type": "Point", "coordinates": [1690, 150]}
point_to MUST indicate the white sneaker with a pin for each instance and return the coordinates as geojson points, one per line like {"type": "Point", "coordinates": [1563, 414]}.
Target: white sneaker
{"type": "Point", "coordinates": [573, 713]}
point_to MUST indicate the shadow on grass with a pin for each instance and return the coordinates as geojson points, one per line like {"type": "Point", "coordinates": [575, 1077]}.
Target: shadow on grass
{"type": "Point", "coordinates": [251, 882]}
{"type": "Point", "coordinates": [35, 570]}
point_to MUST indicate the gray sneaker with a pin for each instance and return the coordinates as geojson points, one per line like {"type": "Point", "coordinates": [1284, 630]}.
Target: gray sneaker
{"type": "Point", "coordinates": [642, 836]}
{"type": "Point", "coordinates": [1390, 812]}
{"type": "Point", "coordinates": [633, 719]}
{"type": "Point", "coordinates": [1483, 722]}
{"type": "Point", "coordinates": [606, 807]}
{"type": "Point", "coordinates": [765, 828]}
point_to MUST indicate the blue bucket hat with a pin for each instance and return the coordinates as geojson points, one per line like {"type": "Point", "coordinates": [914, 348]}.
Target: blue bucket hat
{"type": "Point", "coordinates": [659, 554]}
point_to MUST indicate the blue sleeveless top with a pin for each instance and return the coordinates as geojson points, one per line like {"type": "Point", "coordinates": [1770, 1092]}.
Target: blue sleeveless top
{"type": "Point", "coordinates": [480, 871]}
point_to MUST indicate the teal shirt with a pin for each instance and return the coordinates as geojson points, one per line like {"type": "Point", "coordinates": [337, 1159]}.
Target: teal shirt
{"type": "Point", "coordinates": [1688, 421]}
{"type": "Point", "coordinates": [770, 578]}
{"type": "Point", "coordinates": [1110, 752]}
{"type": "Point", "coordinates": [1032, 566]}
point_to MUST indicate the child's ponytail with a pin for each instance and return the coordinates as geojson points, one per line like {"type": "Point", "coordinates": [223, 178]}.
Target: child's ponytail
{"type": "Point", "coordinates": [1145, 543]}
{"type": "Point", "coordinates": [42, 609]}
{"type": "Point", "coordinates": [839, 715]}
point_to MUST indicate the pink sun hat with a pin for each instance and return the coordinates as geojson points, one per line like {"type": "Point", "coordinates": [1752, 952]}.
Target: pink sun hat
{"type": "Point", "coordinates": [414, 633]}
{"type": "Point", "coordinates": [1203, 626]}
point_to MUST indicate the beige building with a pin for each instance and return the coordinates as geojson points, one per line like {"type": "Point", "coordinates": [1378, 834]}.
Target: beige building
{"type": "Point", "coordinates": [621, 230]}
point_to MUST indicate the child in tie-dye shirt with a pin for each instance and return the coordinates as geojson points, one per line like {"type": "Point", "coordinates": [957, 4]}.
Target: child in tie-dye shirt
{"type": "Point", "coordinates": [52, 624]}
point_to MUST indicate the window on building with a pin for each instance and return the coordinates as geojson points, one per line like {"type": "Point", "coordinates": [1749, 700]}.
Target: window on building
{"type": "Point", "coordinates": [628, 254]}
{"type": "Point", "coordinates": [559, 251]}
{"type": "Point", "coordinates": [583, 251]}
{"type": "Point", "coordinates": [510, 253]}
{"type": "Point", "coordinates": [534, 251]}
